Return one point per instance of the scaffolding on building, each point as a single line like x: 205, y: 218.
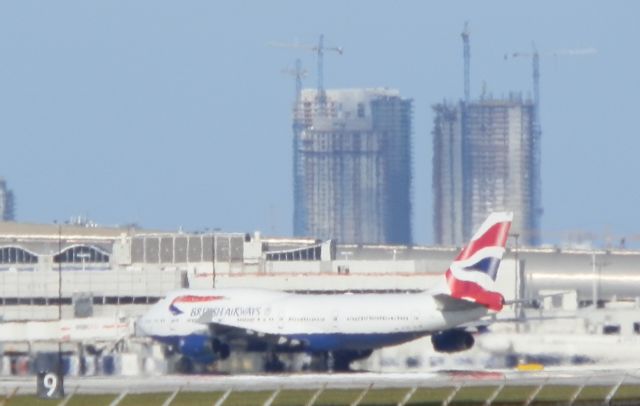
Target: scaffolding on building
x: 485, y: 160
x: 7, y: 202
x: 352, y: 166
x: 486, y: 157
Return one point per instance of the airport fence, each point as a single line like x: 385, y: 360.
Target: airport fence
x: 536, y: 389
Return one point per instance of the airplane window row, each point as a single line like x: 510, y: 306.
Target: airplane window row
x: 298, y: 319
x: 378, y: 318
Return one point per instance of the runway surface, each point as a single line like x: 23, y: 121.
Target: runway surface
x: 169, y: 383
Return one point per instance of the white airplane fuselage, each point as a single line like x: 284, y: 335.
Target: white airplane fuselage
x: 205, y: 324
x: 323, y: 322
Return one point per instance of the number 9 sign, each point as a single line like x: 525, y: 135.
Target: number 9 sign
x: 50, y: 385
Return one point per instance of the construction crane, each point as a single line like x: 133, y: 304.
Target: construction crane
x: 319, y: 49
x: 298, y: 73
x: 537, y: 132
x: 535, y: 62
x: 466, y: 54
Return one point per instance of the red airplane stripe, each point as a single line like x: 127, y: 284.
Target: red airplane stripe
x: 496, y: 235
x: 465, y: 289
x: 195, y: 299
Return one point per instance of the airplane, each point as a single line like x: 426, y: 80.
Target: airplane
x: 206, y: 325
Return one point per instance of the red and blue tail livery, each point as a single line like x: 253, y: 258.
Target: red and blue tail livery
x: 472, y: 274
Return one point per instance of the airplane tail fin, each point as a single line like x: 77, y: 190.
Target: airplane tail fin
x: 471, y: 276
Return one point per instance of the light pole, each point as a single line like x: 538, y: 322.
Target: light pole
x: 60, y: 306
x: 50, y: 384
x: 59, y: 369
x: 594, y: 287
x: 213, y: 260
x: 516, y: 292
x: 59, y: 272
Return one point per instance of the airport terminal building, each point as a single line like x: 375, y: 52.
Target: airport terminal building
x: 99, y: 280
x: 102, y: 272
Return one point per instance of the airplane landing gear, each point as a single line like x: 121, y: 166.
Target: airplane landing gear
x: 338, y: 361
x: 272, y: 363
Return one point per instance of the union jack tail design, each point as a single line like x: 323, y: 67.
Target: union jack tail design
x: 472, y: 274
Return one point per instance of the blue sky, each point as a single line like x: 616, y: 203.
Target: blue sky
x: 176, y: 114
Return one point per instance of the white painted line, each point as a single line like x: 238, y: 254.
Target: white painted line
x: 168, y: 401
x: 494, y: 395
x: 357, y: 401
x: 612, y: 393
x: 316, y: 395
x: 452, y: 395
x: 223, y: 397
x: 408, y: 396
x: 577, y: 392
x: 9, y: 396
x: 68, y: 397
x: 273, y: 396
x: 117, y: 400
x: 533, y: 394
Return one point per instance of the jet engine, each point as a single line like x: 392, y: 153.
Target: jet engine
x: 198, y: 348
x: 452, y: 341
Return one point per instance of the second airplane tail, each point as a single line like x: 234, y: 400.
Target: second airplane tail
x: 472, y: 274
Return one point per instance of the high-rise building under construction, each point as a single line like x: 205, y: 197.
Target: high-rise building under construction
x: 352, y: 165
x: 6, y: 202
x: 486, y: 157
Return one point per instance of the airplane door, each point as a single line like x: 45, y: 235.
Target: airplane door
x: 415, y: 318
x: 335, y: 319
x: 281, y: 318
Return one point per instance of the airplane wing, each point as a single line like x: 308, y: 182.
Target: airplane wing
x: 535, y: 299
x: 248, y: 339
x: 483, y: 323
x: 446, y: 302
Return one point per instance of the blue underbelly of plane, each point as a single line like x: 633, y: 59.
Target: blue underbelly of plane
x: 361, y: 341
x: 316, y: 342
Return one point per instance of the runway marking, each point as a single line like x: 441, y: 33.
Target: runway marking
x: 9, y: 396
x: 117, y: 400
x: 453, y: 393
x: 316, y: 395
x: 223, y: 397
x: 271, y: 398
x: 68, y: 397
x: 577, y: 392
x: 612, y: 393
x: 408, y: 396
x: 535, y: 392
x: 168, y: 401
x: 494, y: 395
x: 357, y: 401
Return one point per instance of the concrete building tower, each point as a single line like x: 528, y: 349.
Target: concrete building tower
x: 7, y: 208
x: 485, y: 159
x: 352, y: 166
